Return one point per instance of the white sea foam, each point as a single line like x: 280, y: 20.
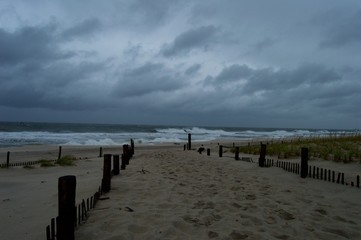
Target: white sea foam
x: 122, y: 134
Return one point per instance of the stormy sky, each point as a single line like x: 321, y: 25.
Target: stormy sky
x: 246, y: 63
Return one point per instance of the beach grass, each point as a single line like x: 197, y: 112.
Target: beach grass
x: 344, y: 149
x: 67, y: 160
x: 46, y: 163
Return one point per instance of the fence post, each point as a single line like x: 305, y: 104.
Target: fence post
x: 262, y: 155
x: 106, y: 181
x: 304, y: 162
x: 220, y: 153
x: 66, y: 201
x: 132, y: 146
x: 123, y: 162
x: 236, y: 157
x: 7, y: 159
x: 189, y: 141
x: 116, y: 164
x: 59, y: 153
x: 126, y: 153
x: 100, y: 152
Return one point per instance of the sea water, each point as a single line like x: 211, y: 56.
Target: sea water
x: 26, y: 133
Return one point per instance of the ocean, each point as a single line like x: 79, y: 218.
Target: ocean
x: 27, y: 133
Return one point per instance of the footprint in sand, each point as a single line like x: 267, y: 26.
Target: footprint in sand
x: 212, y: 234
x: 133, y: 228
x: 237, y: 235
x: 203, y: 205
x: 251, y: 197
x: 285, y: 215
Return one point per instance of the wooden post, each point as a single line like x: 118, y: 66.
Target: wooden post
x: 126, y: 153
x: 53, y: 233
x: 342, y: 178
x: 100, y: 152
x: 123, y: 165
x: 184, y: 147
x: 48, y: 233
x: 59, y: 153
x: 66, y: 201
x: 262, y: 155
x: 304, y: 162
x: 208, y: 152
x: 236, y: 157
x: 7, y: 159
x: 189, y: 141
x: 116, y: 164
x: 132, y: 146
x: 106, y: 181
x: 358, y: 181
x: 220, y: 152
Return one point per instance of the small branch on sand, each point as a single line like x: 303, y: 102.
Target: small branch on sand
x: 143, y: 171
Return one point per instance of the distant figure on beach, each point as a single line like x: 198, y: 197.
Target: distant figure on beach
x: 201, y: 149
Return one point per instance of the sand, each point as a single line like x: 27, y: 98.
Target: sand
x: 168, y: 193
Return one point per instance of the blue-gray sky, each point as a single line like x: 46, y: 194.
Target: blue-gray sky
x: 251, y: 63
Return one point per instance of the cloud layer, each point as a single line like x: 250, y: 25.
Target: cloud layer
x: 235, y: 63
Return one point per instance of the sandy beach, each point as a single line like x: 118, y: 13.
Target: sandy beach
x: 168, y: 193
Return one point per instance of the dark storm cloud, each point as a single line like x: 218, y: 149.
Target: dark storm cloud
x: 29, y: 44
x: 268, y: 78
x: 200, y: 38
x: 309, y: 88
x: 345, y: 31
x: 83, y: 29
x: 147, y: 79
x: 56, y: 86
x: 250, y: 60
x: 193, y: 69
x: 35, y: 72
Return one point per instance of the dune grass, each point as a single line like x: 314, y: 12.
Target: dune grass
x: 337, y: 148
x: 67, y: 160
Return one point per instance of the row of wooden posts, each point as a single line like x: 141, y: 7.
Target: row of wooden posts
x: 27, y: 163
x: 303, y: 169
x: 71, y: 216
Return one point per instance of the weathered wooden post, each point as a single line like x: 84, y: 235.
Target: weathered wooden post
x: 262, y: 155
x: 189, y: 141
x: 236, y: 155
x: 358, y: 181
x: 66, y: 201
x: 116, y: 164
x: 126, y: 153
x: 132, y: 146
x: 106, y: 181
x: 220, y: 152
x: 7, y: 159
x: 123, y: 166
x: 208, y: 152
x: 59, y: 153
x: 100, y: 152
x: 304, y: 162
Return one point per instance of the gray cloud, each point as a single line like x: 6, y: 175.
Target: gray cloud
x: 200, y: 38
x: 84, y: 29
x: 239, y: 63
x: 147, y: 79
x: 193, y: 69
x: 29, y: 44
x: 344, y: 32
